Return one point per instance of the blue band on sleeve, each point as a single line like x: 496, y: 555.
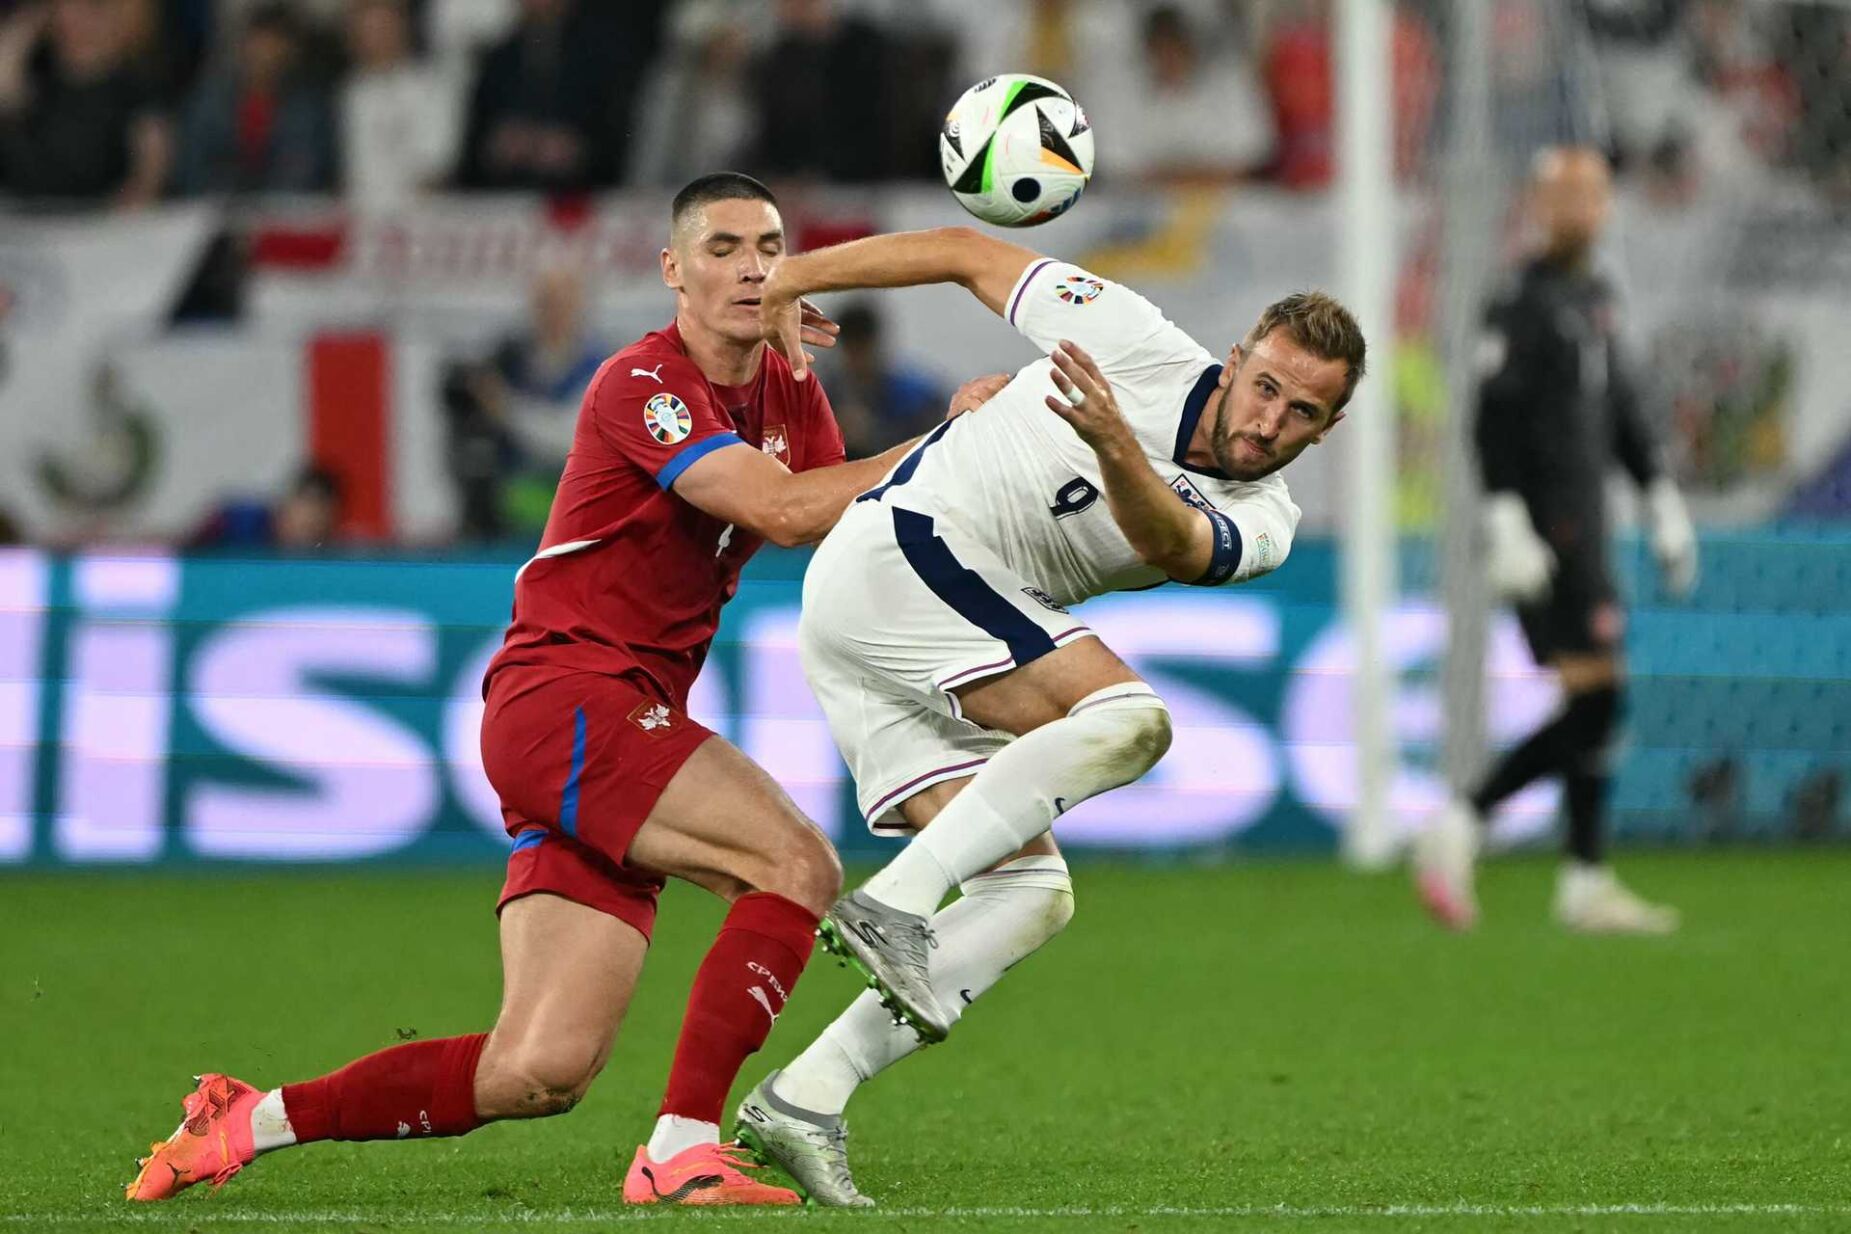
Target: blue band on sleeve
x: 692, y: 453
x: 1225, y: 558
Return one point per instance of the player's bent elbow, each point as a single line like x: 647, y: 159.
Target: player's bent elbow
x: 786, y: 529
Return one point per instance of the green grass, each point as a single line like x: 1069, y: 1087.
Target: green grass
x: 1202, y: 1044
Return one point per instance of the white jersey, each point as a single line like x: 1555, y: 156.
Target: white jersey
x: 1017, y: 478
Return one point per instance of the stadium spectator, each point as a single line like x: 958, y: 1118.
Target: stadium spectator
x: 1078, y: 42
x: 78, y: 120
x: 1300, y: 83
x: 1817, y: 53
x: 1192, y: 116
x: 456, y: 34
x: 551, y: 105
x: 1644, y: 78
x: 820, y: 91
x: 165, y: 43
x: 877, y: 402
x: 513, y: 413
x: 697, y: 104
x: 398, y: 119
x: 307, y: 516
x: 259, y: 124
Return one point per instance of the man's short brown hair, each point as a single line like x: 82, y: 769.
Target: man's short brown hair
x: 1323, y: 327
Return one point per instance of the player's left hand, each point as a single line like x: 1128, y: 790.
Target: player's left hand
x: 780, y: 321
x: 1089, y: 404
x: 975, y: 393
x: 814, y: 329
x: 1673, y: 539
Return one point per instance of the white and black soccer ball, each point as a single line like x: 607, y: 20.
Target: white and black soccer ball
x: 1016, y: 150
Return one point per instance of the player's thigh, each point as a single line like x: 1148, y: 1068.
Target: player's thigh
x: 919, y: 810
x: 1045, y: 689
x: 568, y: 971
x: 724, y: 824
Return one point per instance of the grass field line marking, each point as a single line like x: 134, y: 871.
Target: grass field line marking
x: 193, y: 1215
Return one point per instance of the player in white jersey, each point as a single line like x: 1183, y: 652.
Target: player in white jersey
x: 936, y: 635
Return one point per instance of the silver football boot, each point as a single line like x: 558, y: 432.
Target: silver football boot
x: 812, y: 1148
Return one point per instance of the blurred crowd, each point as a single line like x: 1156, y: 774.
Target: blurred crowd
x: 116, y: 104
x: 127, y: 101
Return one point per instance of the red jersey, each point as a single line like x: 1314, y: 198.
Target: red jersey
x: 629, y: 577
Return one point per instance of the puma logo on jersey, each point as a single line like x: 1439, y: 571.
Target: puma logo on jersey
x: 654, y: 374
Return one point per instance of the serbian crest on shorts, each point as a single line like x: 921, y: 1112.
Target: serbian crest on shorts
x: 777, y: 443
x: 1079, y: 288
x: 667, y: 419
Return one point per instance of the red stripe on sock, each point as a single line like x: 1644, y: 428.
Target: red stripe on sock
x: 742, y: 985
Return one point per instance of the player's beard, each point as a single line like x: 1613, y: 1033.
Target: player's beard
x: 1239, y: 468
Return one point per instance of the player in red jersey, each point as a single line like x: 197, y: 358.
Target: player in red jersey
x: 694, y: 445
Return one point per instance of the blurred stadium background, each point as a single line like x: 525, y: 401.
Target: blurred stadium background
x: 295, y: 315
x: 297, y: 301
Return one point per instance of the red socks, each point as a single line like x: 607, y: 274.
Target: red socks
x: 740, y: 989
x: 427, y: 1088
x: 423, y: 1088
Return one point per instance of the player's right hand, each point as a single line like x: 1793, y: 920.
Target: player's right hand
x: 1087, y: 402
x: 975, y: 393
x: 1520, y: 563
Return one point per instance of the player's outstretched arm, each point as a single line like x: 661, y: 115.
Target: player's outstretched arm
x: 1190, y: 545
x: 750, y: 489
x: 984, y: 265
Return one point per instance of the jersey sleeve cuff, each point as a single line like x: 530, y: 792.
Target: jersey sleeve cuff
x: 693, y: 453
x: 1020, y: 291
x: 1224, y: 558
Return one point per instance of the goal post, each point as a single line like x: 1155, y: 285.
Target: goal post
x: 1366, y: 266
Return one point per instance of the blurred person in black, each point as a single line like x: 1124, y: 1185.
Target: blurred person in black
x: 79, y: 120
x: 822, y: 96
x: 512, y: 413
x: 1557, y: 409
x: 259, y: 124
x: 877, y: 402
x: 552, y: 101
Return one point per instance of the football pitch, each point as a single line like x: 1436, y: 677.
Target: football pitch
x: 1263, y: 1046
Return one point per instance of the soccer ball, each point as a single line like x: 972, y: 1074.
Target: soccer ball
x: 1016, y: 150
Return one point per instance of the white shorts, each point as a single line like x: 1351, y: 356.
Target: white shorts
x: 897, y: 612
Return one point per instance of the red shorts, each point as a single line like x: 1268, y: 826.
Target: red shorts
x: 579, y: 760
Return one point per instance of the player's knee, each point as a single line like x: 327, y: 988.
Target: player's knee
x: 1131, y: 725
x: 815, y: 872
x: 801, y: 866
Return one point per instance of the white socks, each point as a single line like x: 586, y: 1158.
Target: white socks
x: 675, y: 1134
x: 270, y: 1126
x: 1003, y: 916
x: 1111, y: 737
